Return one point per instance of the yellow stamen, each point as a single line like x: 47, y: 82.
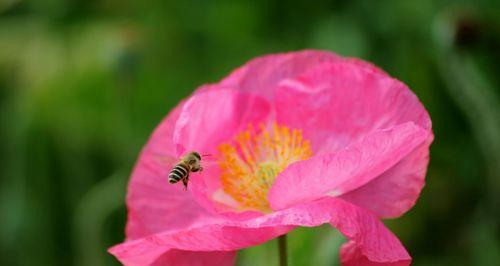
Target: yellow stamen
x: 250, y: 165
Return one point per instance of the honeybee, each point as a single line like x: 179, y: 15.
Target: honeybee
x: 190, y: 162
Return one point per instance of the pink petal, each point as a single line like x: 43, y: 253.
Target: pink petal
x: 352, y: 255
x: 372, y: 238
x: 395, y: 191
x: 262, y: 74
x: 210, y: 117
x: 153, y: 204
x: 337, y: 103
x: 196, y: 258
x: 206, y: 188
x: 347, y: 169
x: 214, y: 115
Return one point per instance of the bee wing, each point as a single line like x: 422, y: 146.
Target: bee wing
x: 166, y: 160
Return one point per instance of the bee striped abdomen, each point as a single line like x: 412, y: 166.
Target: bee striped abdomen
x: 180, y: 171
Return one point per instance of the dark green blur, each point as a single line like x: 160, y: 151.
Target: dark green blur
x: 83, y: 84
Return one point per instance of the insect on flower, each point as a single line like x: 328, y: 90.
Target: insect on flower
x: 181, y: 168
x: 299, y: 139
x: 190, y: 162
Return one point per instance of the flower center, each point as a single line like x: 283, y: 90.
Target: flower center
x: 251, y: 163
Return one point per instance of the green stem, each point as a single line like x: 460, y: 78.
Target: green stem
x: 282, y: 250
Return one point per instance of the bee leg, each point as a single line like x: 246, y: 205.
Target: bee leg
x: 201, y: 169
x: 185, y: 182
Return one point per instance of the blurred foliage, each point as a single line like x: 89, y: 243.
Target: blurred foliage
x: 83, y: 83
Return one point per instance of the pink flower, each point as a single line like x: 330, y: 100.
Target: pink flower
x: 298, y: 139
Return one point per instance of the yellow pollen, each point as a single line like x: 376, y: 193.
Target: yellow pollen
x: 250, y: 164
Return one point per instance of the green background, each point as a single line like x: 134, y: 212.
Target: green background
x: 83, y: 83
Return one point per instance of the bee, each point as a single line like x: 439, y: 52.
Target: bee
x: 190, y: 162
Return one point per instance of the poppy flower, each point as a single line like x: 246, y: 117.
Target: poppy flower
x: 297, y: 139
